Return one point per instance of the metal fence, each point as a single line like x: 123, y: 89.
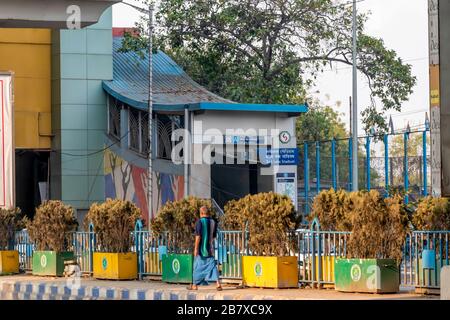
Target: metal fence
x: 398, y: 161
x: 424, y: 254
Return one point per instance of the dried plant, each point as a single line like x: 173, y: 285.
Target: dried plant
x: 51, y: 225
x: 113, y: 221
x: 268, y: 217
x: 11, y: 220
x: 177, y: 219
x: 432, y: 214
x: 379, y: 226
x: 331, y: 208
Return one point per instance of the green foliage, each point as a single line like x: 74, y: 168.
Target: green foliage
x: 11, y: 220
x: 268, y: 217
x: 271, y: 51
x: 177, y: 219
x: 378, y: 225
x: 51, y: 225
x: 113, y: 222
x: 432, y: 214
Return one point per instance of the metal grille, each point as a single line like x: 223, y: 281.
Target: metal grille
x: 165, y: 127
x: 134, y: 126
x: 114, y: 118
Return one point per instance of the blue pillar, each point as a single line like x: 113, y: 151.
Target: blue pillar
x: 333, y: 163
x: 424, y: 151
x: 350, y: 164
x: 386, y: 163
x: 306, y: 174
x: 318, y: 166
x: 405, y: 165
x: 368, y: 162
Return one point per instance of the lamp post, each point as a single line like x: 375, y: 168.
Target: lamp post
x: 355, y: 105
x: 150, y: 105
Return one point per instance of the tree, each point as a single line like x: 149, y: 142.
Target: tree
x: 270, y: 51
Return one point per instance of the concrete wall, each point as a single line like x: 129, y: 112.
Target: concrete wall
x: 27, y: 53
x: 81, y: 60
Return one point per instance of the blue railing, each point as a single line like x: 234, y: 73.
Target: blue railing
x: 383, y: 163
x: 424, y: 254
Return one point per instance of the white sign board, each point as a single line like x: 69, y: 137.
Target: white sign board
x: 7, y: 150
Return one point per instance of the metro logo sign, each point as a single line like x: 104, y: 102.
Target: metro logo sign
x: 7, y: 159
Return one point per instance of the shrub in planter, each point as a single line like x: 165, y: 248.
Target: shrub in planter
x: 331, y: 208
x: 176, y: 221
x: 113, y: 221
x: 379, y: 227
x: 432, y: 214
x: 11, y: 220
x: 49, y: 230
x: 268, y: 217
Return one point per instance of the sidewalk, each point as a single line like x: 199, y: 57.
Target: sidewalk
x: 27, y: 287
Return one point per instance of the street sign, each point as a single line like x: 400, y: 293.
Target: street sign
x: 282, y: 156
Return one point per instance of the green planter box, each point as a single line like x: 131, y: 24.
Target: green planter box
x: 367, y: 275
x: 50, y: 263
x: 177, y: 268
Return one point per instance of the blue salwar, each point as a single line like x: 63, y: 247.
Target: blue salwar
x: 205, y: 270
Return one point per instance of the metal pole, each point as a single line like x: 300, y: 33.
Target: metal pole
x: 350, y: 164
x: 386, y: 163
x: 424, y: 155
x: 150, y: 114
x: 318, y: 166
x: 333, y: 163
x: 306, y: 174
x: 355, y: 105
x: 187, y: 151
x: 368, y: 162
x: 405, y: 165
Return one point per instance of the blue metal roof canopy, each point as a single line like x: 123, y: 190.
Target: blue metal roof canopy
x: 173, y: 89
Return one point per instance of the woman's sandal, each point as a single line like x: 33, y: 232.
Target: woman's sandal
x: 191, y: 287
x: 219, y: 288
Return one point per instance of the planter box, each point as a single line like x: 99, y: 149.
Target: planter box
x: 177, y: 268
x: 9, y: 262
x: 115, y: 266
x: 367, y: 275
x: 50, y: 263
x: 270, y: 272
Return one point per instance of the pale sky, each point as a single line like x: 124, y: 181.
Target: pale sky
x: 402, y: 24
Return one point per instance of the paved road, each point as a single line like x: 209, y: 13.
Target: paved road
x: 167, y: 291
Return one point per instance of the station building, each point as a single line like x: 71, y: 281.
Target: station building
x: 81, y: 124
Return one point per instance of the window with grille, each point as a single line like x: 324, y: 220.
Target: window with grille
x: 134, y: 129
x: 114, y: 118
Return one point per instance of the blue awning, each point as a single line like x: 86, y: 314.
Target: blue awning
x: 173, y: 89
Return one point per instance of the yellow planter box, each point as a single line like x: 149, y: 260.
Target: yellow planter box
x: 115, y: 266
x: 153, y: 264
x: 9, y: 262
x: 270, y: 272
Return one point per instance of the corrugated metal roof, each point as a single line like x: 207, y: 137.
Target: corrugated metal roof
x: 172, y: 87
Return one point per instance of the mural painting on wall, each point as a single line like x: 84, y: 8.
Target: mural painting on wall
x: 125, y: 181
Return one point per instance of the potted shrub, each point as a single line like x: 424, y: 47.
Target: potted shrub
x: 330, y: 207
x: 50, y: 230
x: 432, y: 214
x: 267, y: 219
x: 176, y: 221
x: 113, y: 221
x: 10, y: 221
x: 379, y: 227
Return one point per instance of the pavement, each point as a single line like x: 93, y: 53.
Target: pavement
x: 28, y: 287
